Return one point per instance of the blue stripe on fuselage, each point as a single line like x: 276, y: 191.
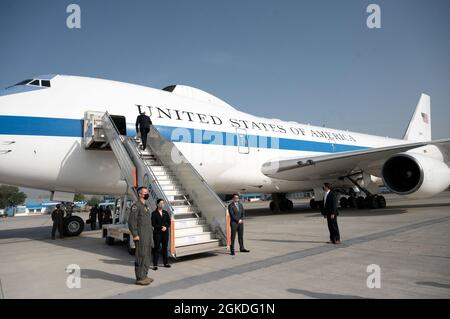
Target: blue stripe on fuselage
x: 40, y: 126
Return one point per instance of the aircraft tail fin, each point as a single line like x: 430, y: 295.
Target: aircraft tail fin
x: 419, y: 128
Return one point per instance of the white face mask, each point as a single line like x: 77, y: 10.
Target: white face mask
x: 236, y: 200
x: 160, y: 205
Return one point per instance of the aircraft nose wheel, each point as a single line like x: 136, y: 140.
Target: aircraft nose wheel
x: 284, y: 205
x: 313, y: 203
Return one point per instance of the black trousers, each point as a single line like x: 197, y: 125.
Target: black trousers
x: 239, y: 229
x: 144, y: 133
x: 160, y: 238
x: 333, y: 228
x: 93, y: 224
x: 58, y: 224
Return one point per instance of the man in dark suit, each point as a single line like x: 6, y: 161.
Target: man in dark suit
x: 330, y: 212
x: 161, y: 225
x: 143, y: 123
x: 237, y: 215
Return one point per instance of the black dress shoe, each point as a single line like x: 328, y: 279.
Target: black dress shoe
x: 155, y: 268
x: 232, y: 253
x: 245, y: 251
x: 167, y: 266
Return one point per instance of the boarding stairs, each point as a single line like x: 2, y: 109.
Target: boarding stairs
x: 198, y: 214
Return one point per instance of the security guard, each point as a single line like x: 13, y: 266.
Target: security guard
x: 58, y: 221
x: 237, y: 215
x: 93, y: 216
x: 140, y: 225
x: 100, y: 213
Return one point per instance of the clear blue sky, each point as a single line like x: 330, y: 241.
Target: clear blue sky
x: 310, y: 61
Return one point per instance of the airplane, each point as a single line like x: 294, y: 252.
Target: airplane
x: 41, y: 134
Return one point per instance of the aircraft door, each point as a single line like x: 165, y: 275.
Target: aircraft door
x: 121, y: 123
x: 242, y: 141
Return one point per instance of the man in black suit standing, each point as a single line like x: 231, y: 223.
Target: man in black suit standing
x: 330, y: 212
x: 237, y: 214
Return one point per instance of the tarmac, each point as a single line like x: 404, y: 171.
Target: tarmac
x: 408, y: 242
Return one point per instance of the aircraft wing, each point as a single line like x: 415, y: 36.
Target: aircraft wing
x: 331, y: 166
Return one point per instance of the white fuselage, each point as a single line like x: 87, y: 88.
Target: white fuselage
x: 41, y: 142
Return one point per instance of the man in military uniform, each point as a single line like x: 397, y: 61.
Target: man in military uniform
x: 58, y: 221
x: 140, y: 225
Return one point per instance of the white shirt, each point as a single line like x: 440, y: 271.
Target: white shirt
x: 325, y: 197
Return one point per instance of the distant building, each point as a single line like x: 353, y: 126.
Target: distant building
x: 39, y: 207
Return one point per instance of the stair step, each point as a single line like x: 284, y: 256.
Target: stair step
x: 180, y: 216
x: 166, y: 182
x: 188, y: 222
x: 184, y: 209
x: 160, y: 174
x: 175, y: 193
x: 177, y: 202
x: 159, y: 168
x: 191, y: 231
x: 151, y: 163
x: 166, y: 178
x: 185, y: 250
x: 193, y: 239
x: 147, y: 155
x: 171, y: 187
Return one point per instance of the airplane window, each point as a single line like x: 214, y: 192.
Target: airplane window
x: 34, y: 82
x: 45, y: 83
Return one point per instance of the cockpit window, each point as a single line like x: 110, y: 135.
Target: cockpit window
x: 45, y: 83
x: 23, y: 82
x: 38, y: 83
x: 35, y: 82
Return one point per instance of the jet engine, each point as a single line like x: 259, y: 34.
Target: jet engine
x: 415, y: 175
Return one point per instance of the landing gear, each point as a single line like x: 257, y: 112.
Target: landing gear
x: 316, y: 204
x: 371, y: 201
x: 381, y: 201
x: 360, y: 202
x: 351, y: 201
x: 313, y: 204
x: 343, y: 201
x: 73, y: 225
x: 280, y: 203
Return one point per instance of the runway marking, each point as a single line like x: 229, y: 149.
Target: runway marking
x: 269, y: 262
